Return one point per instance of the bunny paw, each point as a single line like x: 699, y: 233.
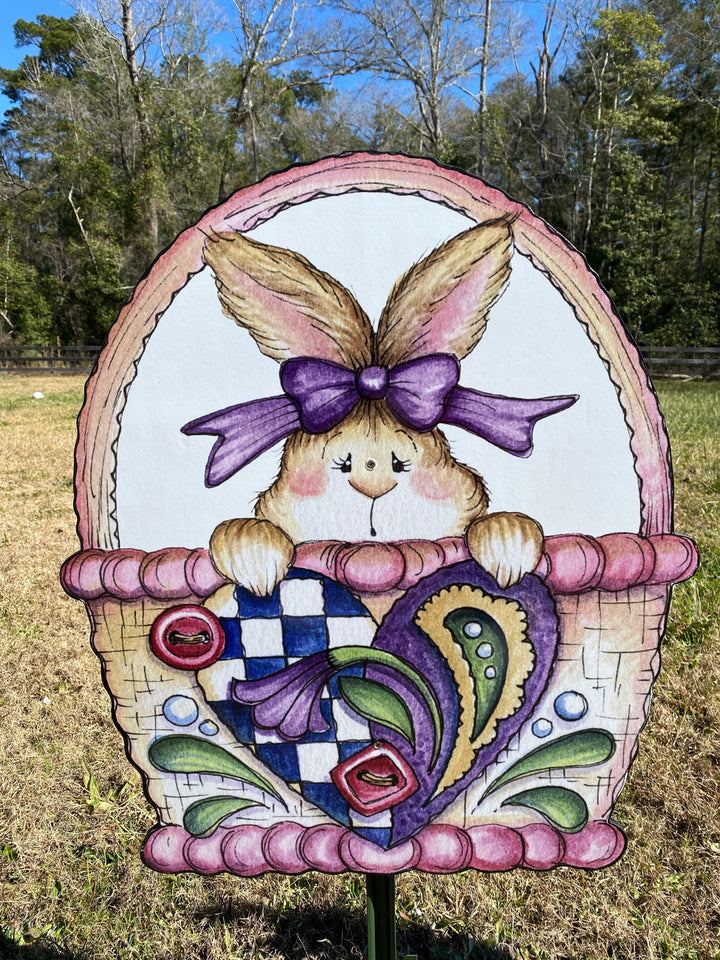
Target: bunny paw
x: 254, y: 553
x: 507, y: 545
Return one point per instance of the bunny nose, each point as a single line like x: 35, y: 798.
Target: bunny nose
x: 373, y: 486
x: 370, y: 465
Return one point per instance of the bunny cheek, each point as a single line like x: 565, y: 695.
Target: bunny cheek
x: 305, y: 483
x: 428, y: 485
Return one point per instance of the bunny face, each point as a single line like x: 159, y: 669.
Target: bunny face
x: 363, y: 459
x: 372, y: 478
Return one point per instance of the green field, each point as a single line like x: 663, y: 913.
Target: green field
x: 72, y: 814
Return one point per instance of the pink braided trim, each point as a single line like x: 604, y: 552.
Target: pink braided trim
x: 571, y: 563
x: 250, y: 850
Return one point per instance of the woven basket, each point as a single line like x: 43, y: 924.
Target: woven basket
x: 611, y: 593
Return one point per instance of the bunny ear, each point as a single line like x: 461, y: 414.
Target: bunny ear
x: 441, y: 304
x: 290, y: 308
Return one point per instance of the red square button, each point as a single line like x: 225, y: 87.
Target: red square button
x: 374, y: 779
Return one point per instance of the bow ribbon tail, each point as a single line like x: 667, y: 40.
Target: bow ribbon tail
x: 506, y: 422
x: 244, y: 431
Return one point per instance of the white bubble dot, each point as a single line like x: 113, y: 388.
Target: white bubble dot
x: 208, y: 728
x: 484, y: 651
x: 490, y: 673
x: 472, y: 629
x: 180, y: 710
x: 571, y: 705
x: 542, y: 727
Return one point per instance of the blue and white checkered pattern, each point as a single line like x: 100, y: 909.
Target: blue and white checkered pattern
x: 307, y: 613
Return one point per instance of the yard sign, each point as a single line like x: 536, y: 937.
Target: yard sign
x: 375, y: 505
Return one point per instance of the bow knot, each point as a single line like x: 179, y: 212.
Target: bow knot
x: 319, y: 394
x: 326, y: 392
x: 372, y: 382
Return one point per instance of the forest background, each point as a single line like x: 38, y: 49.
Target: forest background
x: 128, y: 118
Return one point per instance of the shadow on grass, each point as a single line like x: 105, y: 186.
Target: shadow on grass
x: 38, y: 950
x: 328, y: 934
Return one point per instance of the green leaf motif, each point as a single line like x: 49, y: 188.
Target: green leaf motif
x: 180, y: 753
x: 378, y: 704
x: 581, y: 749
x: 202, y: 817
x: 342, y: 657
x: 564, y: 808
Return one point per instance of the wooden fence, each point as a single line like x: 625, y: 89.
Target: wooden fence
x: 696, y: 362
x: 36, y: 358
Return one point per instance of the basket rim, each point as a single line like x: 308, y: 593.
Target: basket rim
x: 570, y: 563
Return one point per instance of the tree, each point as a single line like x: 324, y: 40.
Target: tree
x: 119, y: 136
x: 124, y: 127
x: 425, y: 47
x: 61, y: 256
x: 89, y: 201
x: 547, y: 53
x: 693, y: 37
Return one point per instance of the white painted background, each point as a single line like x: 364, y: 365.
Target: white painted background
x: 579, y: 479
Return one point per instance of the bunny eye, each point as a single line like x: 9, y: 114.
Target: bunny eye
x: 344, y: 465
x: 400, y: 466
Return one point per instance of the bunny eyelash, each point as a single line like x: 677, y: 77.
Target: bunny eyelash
x: 345, y: 464
x: 400, y: 466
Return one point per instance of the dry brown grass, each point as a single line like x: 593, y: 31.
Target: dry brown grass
x: 72, y: 816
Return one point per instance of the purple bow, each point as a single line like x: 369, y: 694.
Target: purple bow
x: 319, y: 394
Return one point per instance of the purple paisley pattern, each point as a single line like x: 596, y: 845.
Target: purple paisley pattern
x: 398, y: 633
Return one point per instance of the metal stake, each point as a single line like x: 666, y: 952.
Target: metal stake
x: 381, y: 916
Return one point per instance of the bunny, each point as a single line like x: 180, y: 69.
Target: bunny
x: 364, y: 459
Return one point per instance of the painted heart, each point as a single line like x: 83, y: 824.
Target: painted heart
x: 382, y: 729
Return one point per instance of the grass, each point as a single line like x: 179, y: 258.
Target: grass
x: 72, y: 814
